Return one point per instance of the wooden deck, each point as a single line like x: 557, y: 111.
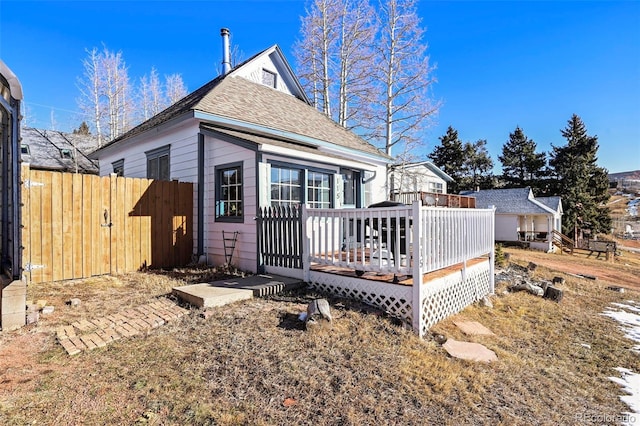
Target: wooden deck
x: 389, y: 278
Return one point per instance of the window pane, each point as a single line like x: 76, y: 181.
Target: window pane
x: 163, y: 172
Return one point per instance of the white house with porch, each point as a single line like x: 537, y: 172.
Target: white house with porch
x: 521, y: 217
x: 289, y: 186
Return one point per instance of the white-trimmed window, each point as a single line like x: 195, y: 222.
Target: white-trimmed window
x: 229, y: 193
x: 158, y: 164
x: 318, y: 190
x: 292, y: 186
x: 436, y: 187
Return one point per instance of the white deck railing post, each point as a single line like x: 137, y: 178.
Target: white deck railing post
x: 492, y: 254
x: 306, y: 246
x: 418, y: 257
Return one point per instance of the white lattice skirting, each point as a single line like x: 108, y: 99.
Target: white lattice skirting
x: 442, y: 297
x: 392, y: 298
x: 450, y: 294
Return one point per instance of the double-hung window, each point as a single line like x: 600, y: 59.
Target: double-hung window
x: 229, y: 193
x: 158, y: 165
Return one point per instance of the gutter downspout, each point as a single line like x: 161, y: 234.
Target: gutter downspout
x: 200, y: 236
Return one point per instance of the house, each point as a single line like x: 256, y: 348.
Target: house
x: 521, y: 217
x: 249, y: 139
x: 58, y: 151
x: 12, y: 288
x: 423, y: 176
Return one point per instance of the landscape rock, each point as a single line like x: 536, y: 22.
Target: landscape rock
x: 33, y: 317
x: 529, y: 287
x: 48, y: 310
x: 558, y: 280
x: 616, y: 289
x: 486, y: 302
x: 33, y: 308
x: 532, y: 266
x: 42, y: 303
x: 73, y: 302
x: 553, y: 293
x: 469, y: 351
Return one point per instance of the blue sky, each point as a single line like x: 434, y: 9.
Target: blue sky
x: 500, y: 64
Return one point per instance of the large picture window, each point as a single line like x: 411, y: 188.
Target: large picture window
x: 158, y: 165
x: 289, y: 186
x: 229, y: 193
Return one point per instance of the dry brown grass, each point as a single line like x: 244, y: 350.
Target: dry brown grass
x: 239, y: 366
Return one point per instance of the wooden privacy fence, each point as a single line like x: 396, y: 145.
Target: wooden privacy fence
x: 77, y: 226
x: 280, y: 236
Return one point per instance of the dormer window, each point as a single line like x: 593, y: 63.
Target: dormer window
x: 269, y: 78
x: 24, y: 149
x: 66, y: 153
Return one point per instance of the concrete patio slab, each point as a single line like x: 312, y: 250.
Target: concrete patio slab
x: 469, y: 351
x: 219, y: 293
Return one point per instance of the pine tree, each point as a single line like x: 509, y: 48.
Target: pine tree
x: 581, y: 183
x: 449, y: 157
x: 521, y: 165
x: 477, y: 166
x: 83, y: 129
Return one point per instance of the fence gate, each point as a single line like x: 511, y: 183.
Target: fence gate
x: 77, y: 226
x: 280, y: 232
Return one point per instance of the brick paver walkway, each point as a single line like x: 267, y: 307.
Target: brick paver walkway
x: 82, y: 335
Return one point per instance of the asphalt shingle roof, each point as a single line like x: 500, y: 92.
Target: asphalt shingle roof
x: 46, y: 146
x: 507, y: 201
x: 240, y: 99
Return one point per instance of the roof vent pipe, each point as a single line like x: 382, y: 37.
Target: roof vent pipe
x: 226, y: 62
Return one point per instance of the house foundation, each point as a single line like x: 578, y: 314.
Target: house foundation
x: 13, y: 301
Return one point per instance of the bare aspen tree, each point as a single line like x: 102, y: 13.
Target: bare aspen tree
x: 355, y: 83
x: 174, y: 88
x: 406, y: 76
x: 316, y: 51
x: 91, y: 89
x: 144, y: 98
x: 116, y: 92
x: 155, y: 92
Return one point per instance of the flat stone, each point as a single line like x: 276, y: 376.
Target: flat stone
x: 473, y: 328
x: 469, y: 351
x: 48, y: 310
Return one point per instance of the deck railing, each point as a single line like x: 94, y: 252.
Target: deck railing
x: 385, y: 239
x: 434, y: 199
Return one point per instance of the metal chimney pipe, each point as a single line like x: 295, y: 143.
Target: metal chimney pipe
x: 226, y: 61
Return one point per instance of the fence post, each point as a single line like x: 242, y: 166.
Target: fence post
x: 305, y: 247
x: 492, y: 254
x: 416, y: 229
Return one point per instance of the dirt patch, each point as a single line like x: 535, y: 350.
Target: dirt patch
x: 624, y: 272
x: 19, y: 360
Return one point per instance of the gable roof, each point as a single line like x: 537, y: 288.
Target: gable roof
x: 554, y: 203
x: 46, y: 148
x: 509, y: 201
x: 236, y: 102
x: 430, y: 166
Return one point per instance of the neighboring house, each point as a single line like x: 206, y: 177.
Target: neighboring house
x: 58, y: 151
x: 423, y: 176
x: 522, y: 217
x: 249, y: 139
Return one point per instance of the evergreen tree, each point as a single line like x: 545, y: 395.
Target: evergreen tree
x: 449, y: 157
x: 83, y: 129
x: 581, y: 183
x: 477, y: 166
x: 521, y: 165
